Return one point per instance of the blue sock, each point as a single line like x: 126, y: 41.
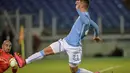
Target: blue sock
x: 82, y: 70
x: 42, y: 52
x: 35, y: 56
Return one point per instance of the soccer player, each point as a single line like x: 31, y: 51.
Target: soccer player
x: 71, y: 44
x: 5, y: 57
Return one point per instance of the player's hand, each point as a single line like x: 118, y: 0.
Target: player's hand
x: 97, y: 39
x: 77, y: 4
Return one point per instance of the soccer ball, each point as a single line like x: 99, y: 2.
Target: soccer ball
x: 12, y: 62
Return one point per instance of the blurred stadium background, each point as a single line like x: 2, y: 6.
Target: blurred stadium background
x: 46, y: 21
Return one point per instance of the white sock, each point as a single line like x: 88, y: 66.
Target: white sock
x: 34, y: 57
x: 82, y: 70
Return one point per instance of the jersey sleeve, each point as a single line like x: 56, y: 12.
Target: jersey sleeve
x: 3, y: 66
x: 83, y: 17
x: 96, y: 28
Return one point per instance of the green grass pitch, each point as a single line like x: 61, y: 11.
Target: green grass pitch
x: 109, y: 65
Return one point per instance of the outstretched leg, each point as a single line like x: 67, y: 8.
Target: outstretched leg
x: 39, y: 55
x: 36, y: 56
x: 54, y: 48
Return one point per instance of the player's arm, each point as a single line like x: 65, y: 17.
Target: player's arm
x: 96, y: 28
x: 81, y: 14
x: 96, y: 31
x: 83, y: 17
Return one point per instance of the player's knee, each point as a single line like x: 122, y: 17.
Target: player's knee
x: 48, y: 51
x: 73, y: 64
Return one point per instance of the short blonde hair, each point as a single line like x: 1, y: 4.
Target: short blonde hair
x: 85, y: 1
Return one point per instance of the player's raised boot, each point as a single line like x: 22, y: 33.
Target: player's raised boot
x: 21, y: 62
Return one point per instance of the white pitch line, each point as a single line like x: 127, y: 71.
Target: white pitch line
x: 109, y: 68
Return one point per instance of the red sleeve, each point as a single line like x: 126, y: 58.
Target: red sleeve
x: 3, y: 66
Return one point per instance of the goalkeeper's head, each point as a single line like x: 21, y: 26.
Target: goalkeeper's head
x: 6, y: 46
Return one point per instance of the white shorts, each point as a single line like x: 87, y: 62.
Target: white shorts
x: 74, y: 53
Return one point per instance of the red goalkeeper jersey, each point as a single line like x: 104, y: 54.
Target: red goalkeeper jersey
x: 4, y: 60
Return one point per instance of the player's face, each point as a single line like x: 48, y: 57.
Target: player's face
x: 80, y: 4
x: 7, y: 46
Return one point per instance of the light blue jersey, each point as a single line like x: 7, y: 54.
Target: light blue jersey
x: 81, y: 25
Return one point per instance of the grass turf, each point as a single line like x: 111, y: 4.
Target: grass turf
x: 61, y: 66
